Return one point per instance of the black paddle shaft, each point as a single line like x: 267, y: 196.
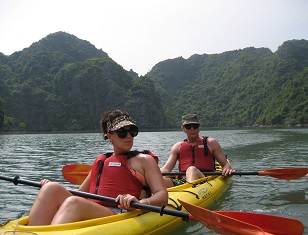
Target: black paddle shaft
x: 161, y: 210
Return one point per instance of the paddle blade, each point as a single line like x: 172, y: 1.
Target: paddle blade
x: 269, y: 223
x: 76, y: 173
x: 219, y: 223
x: 285, y: 173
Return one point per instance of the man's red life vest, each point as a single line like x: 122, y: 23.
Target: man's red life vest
x: 110, y: 177
x: 196, y: 155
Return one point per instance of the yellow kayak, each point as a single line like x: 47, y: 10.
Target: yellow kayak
x: 202, y: 192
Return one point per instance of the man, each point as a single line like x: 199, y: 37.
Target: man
x: 195, y: 154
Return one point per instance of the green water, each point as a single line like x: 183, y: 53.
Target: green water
x: 37, y: 156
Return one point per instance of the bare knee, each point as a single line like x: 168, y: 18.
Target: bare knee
x: 192, y: 173
x: 72, y: 203
x: 192, y: 170
x: 70, y: 211
x: 51, y: 187
x: 55, y: 192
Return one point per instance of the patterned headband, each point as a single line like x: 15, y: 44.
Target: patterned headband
x: 119, y: 122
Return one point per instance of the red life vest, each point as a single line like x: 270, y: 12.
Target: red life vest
x: 196, y: 155
x: 110, y: 177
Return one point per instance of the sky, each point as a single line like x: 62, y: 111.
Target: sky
x: 138, y: 34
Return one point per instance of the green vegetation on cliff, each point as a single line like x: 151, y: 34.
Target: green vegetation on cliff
x: 62, y: 83
x: 239, y: 88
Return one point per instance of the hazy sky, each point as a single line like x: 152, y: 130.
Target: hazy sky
x: 138, y: 34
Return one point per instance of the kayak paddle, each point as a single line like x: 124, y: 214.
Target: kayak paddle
x: 269, y: 223
x: 76, y: 173
x: 215, y: 221
x: 251, y: 223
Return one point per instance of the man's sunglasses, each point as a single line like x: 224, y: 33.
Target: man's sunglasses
x: 189, y: 126
x: 122, y: 132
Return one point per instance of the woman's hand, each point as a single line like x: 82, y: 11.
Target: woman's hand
x: 44, y: 181
x: 125, y: 200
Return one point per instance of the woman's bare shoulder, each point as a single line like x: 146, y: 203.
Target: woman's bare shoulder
x: 145, y: 157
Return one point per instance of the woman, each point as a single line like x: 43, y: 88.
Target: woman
x: 56, y: 205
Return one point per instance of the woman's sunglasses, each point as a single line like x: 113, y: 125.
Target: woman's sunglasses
x: 122, y: 132
x: 189, y: 126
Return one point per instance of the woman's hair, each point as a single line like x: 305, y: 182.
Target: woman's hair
x: 108, y: 117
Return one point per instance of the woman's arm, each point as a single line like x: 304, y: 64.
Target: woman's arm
x: 154, y: 179
x: 85, y: 186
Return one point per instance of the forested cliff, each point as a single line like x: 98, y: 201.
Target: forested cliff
x: 62, y: 83
x: 237, y: 88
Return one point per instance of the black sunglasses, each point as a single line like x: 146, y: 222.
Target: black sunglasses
x: 189, y: 126
x: 122, y: 132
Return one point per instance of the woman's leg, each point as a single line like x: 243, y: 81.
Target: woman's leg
x: 47, y: 203
x: 77, y: 209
